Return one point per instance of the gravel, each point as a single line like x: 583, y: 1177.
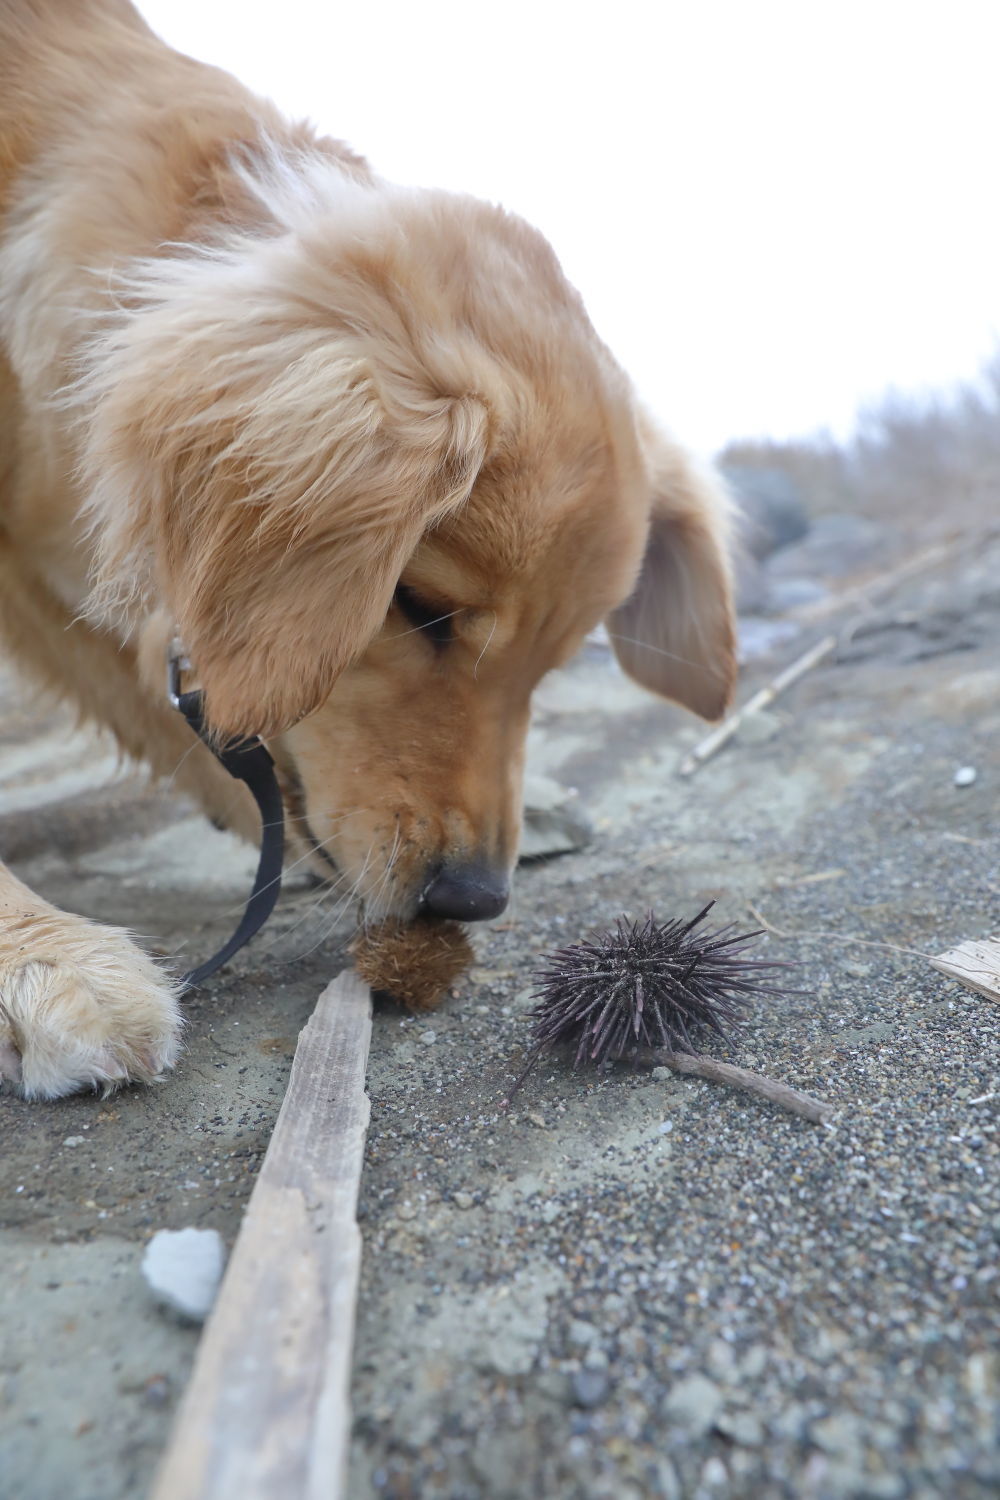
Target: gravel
x: 560, y: 1298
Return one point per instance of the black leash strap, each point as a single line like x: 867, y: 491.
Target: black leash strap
x: 248, y: 761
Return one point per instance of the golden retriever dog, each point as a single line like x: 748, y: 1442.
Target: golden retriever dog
x: 357, y: 444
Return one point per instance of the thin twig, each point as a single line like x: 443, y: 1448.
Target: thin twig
x: 981, y: 972
x: 833, y: 937
x: 710, y: 1068
x: 863, y: 596
x: 759, y: 916
x: 724, y: 733
x: 866, y: 594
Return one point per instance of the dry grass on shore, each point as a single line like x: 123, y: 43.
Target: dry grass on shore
x: 932, y: 461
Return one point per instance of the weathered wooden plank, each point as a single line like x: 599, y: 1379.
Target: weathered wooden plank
x: 975, y: 963
x: 266, y: 1414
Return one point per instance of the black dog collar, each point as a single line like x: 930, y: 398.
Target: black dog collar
x: 249, y: 761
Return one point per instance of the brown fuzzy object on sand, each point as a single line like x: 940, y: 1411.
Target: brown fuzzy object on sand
x: 414, y: 962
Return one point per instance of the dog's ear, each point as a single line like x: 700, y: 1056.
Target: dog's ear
x: 276, y: 600
x: 676, y: 633
x: 268, y: 496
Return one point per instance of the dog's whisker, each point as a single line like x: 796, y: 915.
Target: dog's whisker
x: 333, y: 822
x: 374, y: 896
x: 699, y: 666
x: 310, y: 911
x: 493, y: 631
x: 318, y: 844
x: 169, y: 780
x: 415, y: 629
x: 342, y: 904
x: 326, y: 895
x: 373, y: 903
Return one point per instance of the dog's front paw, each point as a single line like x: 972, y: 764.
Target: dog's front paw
x: 81, y: 1007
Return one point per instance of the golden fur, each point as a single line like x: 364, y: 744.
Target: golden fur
x: 252, y: 391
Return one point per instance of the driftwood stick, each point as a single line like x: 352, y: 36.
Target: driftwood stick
x: 266, y: 1412
x: 698, y: 1066
x: 713, y: 742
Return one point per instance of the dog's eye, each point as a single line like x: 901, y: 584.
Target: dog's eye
x: 433, y: 620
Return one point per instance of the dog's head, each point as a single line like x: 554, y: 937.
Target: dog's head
x: 384, y: 476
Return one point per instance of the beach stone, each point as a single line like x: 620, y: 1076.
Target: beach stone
x: 553, y: 822
x: 772, y: 514
x: 694, y: 1404
x: 183, y: 1268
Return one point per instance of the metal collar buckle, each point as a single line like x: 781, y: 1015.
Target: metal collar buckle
x: 177, y: 662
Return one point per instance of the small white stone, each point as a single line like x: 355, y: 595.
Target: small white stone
x: 73, y: 1140
x: 965, y: 776
x: 715, y: 1474
x: 183, y: 1267
x: 462, y: 1200
x: 427, y: 1037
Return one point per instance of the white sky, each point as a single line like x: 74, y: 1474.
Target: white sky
x: 775, y: 209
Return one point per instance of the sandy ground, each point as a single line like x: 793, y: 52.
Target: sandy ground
x: 625, y: 1286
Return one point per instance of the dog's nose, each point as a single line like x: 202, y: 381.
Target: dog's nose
x: 466, y: 893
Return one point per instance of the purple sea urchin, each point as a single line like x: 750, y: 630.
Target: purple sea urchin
x: 650, y: 985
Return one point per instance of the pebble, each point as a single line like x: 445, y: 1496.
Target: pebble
x: 754, y: 1362
x: 428, y: 1037
x: 668, y: 1484
x: 841, y: 1434
x: 462, y: 1200
x: 74, y: 1140
x: 694, y: 1404
x: 183, y: 1268
x: 581, y: 1333
x: 715, y: 1474
x: 790, y: 1422
x: 662, y: 1074
x: 743, y: 1428
x: 965, y: 776
x: 156, y: 1391
x: 590, y: 1387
